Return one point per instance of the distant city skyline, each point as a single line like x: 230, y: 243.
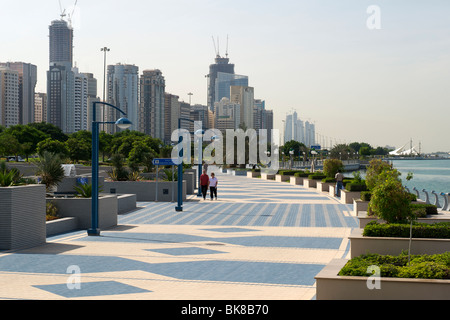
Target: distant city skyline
x: 379, y: 77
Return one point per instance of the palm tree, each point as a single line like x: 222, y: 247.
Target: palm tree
x: 50, y: 169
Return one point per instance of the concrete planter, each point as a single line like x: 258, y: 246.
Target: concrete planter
x: 330, y: 286
x: 360, y: 206
x: 22, y: 217
x: 323, y: 186
x: 281, y: 178
x: 296, y: 181
x: 347, y: 197
x: 267, y: 176
x: 251, y: 174
x: 80, y: 208
x: 394, y: 246
x: 61, y: 225
x: 146, y: 190
x: 309, y: 183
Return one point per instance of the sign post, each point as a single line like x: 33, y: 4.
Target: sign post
x: 164, y: 162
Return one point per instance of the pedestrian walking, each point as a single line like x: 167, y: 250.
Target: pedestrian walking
x: 339, y: 183
x: 213, y: 186
x: 204, y: 183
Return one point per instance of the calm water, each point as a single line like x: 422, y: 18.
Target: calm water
x: 428, y: 174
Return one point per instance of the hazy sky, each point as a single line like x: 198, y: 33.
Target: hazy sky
x: 383, y: 86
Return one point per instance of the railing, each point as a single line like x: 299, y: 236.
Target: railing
x: 317, y: 164
x: 445, y: 206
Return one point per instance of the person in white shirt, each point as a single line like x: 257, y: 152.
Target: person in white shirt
x: 213, y: 186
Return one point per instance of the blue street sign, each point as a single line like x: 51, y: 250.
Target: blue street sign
x: 164, y: 162
x: 316, y: 147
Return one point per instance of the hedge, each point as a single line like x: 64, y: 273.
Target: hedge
x: 301, y: 174
x: 429, y: 209
x: 355, y: 186
x: 440, y: 230
x: 365, y: 195
x: 317, y: 176
x: 288, y: 172
x: 435, y: 266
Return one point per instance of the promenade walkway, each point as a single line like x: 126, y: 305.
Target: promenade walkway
x: 260, y: 240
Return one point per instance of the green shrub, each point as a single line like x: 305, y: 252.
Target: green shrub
x: 365, y: 195
x: 288, y: 172
x: 389, y: 201
x: 51, y: 211
x: 317, y: 176
x: 332, y: 166
x: 439, y: 230
x: 329, y: 180
x: 378, y: 171
x: 301, y: 174
x: 412, y: 197
x: 429, y: 209
x: 435, y: 266
x: 355, y: 186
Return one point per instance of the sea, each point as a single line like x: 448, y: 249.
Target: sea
x: 427, y: 174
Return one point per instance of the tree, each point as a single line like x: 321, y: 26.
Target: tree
x: 139, y: 154
x: 9, y: 145
x: 332, y: 166
x: 52, y: 146
x: 296, y: 146
x: 51, y: 130
x: 27, y: 136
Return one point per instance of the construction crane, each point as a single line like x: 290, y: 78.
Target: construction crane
x: 63, y: 12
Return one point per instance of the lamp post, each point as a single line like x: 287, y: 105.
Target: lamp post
x: 105, y: 50
x: 122, y: 123
x: 179, y: 206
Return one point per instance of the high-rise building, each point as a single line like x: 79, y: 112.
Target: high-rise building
x: 40, y: 107
x: 296, y: 129
x: 151, y: 105
x: 123, y: 92
x: 228, y: 115
x: 61, y: 43
x: 221, y: 65
x: 9, y: 97
x: 27, y: 85
x: 80, y: 111
x: 223, y: 83
x: 60, y: 77
x: 245, y: 97
x: 91, y: 98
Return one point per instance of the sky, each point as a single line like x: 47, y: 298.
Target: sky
x: 361, y: 75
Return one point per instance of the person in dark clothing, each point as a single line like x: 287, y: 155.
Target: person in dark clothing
x: 204, y: 183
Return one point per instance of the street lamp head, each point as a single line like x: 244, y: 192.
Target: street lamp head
x: 123, y: 123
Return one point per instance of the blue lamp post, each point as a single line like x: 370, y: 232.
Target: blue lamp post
x: 122, y: 123
x: 179, y: 206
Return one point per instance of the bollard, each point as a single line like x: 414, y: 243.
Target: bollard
x: 446, y: 202
x: 427, y: 199
x: 436, y: 200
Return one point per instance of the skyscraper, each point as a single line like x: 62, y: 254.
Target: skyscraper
x: 60, y: 77
x: 151, y: 105
x: 40, y: 107
x: 27, y: 84
x: 245, y: 97
x: 61, y: 43
x: 221, y: 65
x: 123, y: 92
x: 9, y: 97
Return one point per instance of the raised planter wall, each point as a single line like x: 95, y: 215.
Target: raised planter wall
x: 360, y: 206
x: 81, y: 209
x: 267, y: 176
x: 146, y: 190
x: 296, y: 181
x: 330, y: 286
x: 394, y: 246
x: 323, y: 186
x: 281, y: 178
x: 251, y: 174
x: 347, y: 197
x: 22, y: 217
x: 61, y: 225
x: 309, y: 183
x: 364, y: 219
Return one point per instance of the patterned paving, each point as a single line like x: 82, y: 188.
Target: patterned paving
x: 260, y: 240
